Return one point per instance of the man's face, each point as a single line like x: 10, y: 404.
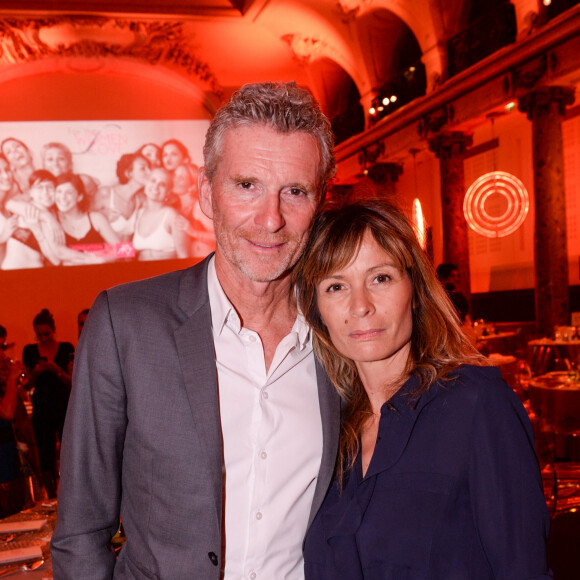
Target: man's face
x: 262, y: 200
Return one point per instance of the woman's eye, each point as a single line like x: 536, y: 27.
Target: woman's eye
x: 382, y: 278
x: 334, y: 288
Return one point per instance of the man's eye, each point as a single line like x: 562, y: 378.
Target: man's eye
x: 246, y: 184
x: 296, y: 191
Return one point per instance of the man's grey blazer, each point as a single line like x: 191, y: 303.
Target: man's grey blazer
x: 142, y: 437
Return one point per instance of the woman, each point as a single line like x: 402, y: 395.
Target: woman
x: 37, y: 238
x: 48, y: 363
x: 57, y: 158
x: 119, y: 203
x: 21, y: 163
x: 8, y: 189
x: 152, y: 152
x: 84, y: 231
x: 437, y: 476
x: 158, y: 233
x: 173, y: 154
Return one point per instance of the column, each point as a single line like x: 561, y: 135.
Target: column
x: 384, y: 177
x: 449, y: 149
x: 545, y: 107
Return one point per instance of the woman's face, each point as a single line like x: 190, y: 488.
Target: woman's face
x: 56, y: 161
x: 367, y: 308
x: 66, y: 197
x: 42, y: 194
x: 157, y: 187
x: 44, y: 333
x: 140, y: 171
x: 6, y: 178
x: 171, y: 157
x: 153, y: 154
x: 183, y: 181
x: 16, y: 153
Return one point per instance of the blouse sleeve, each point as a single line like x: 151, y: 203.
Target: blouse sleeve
x: 506, y: 486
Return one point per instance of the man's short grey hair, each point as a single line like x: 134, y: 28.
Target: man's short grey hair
x: 281, y: 106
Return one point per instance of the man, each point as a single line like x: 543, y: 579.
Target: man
x: 198, y: 412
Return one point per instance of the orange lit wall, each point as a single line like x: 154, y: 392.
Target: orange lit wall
x: 130, y: 91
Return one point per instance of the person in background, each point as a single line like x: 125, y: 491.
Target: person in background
x: 158, y: 235
x: 119, y: 203
x: 437, y: 475
x: 81, y: 319
x: 21, y: 162
x: 47, y: 362
x: 10, y: 500
x: 209, y: 482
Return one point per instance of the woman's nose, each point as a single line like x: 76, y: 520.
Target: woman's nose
x: 361, y: 305
x: 269, y: 214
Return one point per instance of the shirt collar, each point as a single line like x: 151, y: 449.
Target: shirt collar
x: 222, y: 311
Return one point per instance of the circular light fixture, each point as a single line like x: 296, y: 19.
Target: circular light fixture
x: 499, y: 191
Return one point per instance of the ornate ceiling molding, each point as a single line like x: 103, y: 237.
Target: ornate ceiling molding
x: 306, y: 48
x: 155, y: 42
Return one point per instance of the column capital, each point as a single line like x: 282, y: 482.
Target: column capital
x: 382, y: 173
x: 447, y: 144
x: 541, y: 99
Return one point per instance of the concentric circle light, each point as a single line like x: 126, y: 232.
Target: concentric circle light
x: 496, y: 204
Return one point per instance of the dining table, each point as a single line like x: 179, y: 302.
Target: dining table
x: 24, y: 542
x: 549, y: 354
x: 555, y: 397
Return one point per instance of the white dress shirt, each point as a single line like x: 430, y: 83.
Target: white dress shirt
x: 272, y: 433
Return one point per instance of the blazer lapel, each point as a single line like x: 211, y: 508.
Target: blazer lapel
x: 329, y: 402
x: 195, y: 348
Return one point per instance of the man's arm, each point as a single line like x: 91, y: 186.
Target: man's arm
x: 91, y: 455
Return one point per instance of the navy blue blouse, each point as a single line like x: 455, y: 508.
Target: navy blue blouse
x: 453, y: 492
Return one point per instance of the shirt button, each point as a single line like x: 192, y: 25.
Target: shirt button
x: 252, y: 575
x: 259, y: 515
x: 263, y: 455
x: 265, y: 394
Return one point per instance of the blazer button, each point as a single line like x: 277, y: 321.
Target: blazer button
x: 213, y: 557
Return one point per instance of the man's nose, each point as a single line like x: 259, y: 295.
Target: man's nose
x: 269, y: 214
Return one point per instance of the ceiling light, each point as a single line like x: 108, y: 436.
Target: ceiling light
x: 386, y: 101
x: 372, y: 111
x: 393, y: 98
x: 510, y: 106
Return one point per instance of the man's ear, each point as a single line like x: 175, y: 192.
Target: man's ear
x: 205, y: 193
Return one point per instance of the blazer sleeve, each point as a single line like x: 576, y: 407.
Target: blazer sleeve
x: 91, y: 455
x: 506, y: 486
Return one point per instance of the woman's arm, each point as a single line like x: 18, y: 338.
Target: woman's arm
x: 180, y: 237
x: 102, y: 225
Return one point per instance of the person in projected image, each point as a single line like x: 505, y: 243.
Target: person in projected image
x: 158, y: 233
x: 173, y: 154
x: 120, y: 202
x: 8, y: 190
x: 84, y: 231
x: 39, y: 239
x: 152, y: 152
x: 21, y: 161
x: 184, y: 197
x: 437, y: 475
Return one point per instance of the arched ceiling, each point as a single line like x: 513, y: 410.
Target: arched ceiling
x: 219, y: 45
